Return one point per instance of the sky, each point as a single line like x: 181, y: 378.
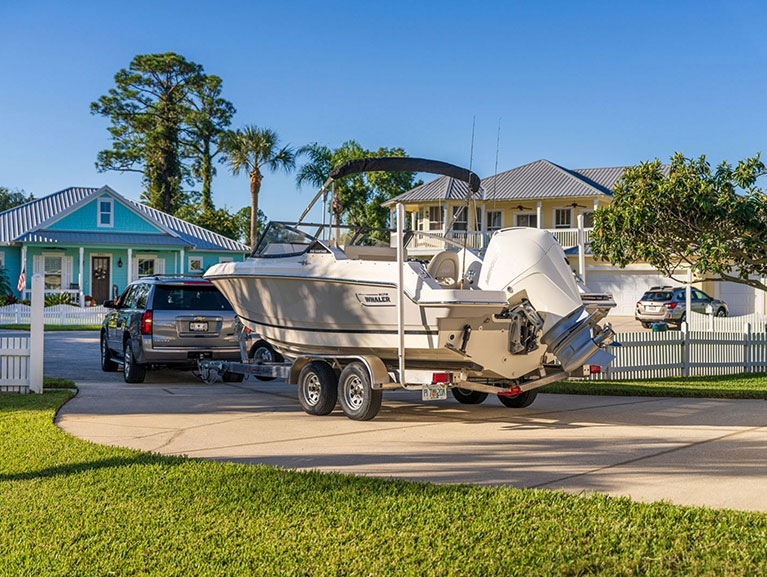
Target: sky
x: 582, y: 84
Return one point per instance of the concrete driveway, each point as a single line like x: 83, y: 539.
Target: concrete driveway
x: 688, y: 451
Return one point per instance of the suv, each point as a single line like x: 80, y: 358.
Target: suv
x: 668, y: 304
x: 170, y: 322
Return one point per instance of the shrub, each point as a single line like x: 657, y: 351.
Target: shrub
x: 57, y: 299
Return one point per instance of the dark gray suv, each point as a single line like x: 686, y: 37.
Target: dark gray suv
x: 167, y: 321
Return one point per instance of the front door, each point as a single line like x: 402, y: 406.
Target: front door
x: 100, y: 278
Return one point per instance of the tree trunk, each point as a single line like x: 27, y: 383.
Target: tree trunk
x: 255, y: 187
x: 206, y: 170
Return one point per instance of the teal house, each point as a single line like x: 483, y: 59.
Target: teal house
x: 91, y: 242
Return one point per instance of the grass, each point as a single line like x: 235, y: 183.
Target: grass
x: 73, y: 507
x: 742, y: 386
x: 25, y: 327
x: 58, y: 383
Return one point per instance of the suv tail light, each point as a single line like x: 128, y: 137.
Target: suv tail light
x: 670, y: 305
x: 146, y: 323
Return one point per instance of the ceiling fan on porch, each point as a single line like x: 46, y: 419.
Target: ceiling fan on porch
x: 576, y: 205
x: 520, y: 207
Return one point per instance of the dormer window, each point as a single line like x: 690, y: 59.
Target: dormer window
x: 105, y: 213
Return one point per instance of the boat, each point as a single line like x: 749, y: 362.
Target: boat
x: 328, y: 290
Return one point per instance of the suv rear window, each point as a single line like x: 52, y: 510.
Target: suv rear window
x: 189, y: 298
x: 657, y: 296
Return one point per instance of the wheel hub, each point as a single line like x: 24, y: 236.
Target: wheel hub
x: 313, y: 388
x: 354, y: 392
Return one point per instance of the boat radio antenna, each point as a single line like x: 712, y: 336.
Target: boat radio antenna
x: 466, y: 208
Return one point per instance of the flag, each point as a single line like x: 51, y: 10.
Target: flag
x: 22, y: 278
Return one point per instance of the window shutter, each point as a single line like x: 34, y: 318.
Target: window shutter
x: 66, y: 272
x: 37, y: 264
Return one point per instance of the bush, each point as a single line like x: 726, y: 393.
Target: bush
x: 58, y: 299
x: 5, y: 283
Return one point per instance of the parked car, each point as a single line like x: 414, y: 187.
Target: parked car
x: 167, y: 321
x: 668, y: 304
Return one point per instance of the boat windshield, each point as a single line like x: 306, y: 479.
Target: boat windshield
x: 282, y: 239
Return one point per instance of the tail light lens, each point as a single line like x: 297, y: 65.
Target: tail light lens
x: 146, y: 323
x: 638, y: 303
x: 671, y: 305
x: 595, y: 369
x: 439, y: 378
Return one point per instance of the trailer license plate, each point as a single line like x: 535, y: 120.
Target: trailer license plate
x: 434, y: 392
x: 198, y: 327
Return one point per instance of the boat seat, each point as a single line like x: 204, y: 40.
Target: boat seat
x: 444, y: 268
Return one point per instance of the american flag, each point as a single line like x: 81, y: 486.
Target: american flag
x: 22, y: 278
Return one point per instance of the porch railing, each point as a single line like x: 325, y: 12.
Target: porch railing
x: 567, y: 237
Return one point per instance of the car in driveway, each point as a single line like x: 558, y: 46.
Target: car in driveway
x: 165, y: 321
x: 668, y: 304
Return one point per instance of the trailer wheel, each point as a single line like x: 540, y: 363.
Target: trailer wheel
x: 359, y: 400
x: 521, y: 401
x: 317, y: 388
x: 467, y: 397
x: 264, y: 352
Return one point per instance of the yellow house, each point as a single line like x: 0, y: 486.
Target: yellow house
x: 545, y: 195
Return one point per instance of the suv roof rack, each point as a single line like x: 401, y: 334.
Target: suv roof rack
x: 657, y: 288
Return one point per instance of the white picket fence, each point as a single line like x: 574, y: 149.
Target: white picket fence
x: 712, y: 324
x: 55, y: 315
x: 685, y: 353
x: 14, y: 364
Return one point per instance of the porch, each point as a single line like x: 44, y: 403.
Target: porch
x: 423, y: 245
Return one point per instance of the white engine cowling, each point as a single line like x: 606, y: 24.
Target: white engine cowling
x: 531, y: 260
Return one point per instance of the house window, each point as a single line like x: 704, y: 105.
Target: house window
x: 435, y: 218
x: 459, y: 218
x: 146, y: 267
x: 52, y: 269
x: 563, y: 218
x: 195, y: 264
x: 494, y: 220
x: 529, y: 220
x: 588, y: 219
x: 226, y: 259
x: 106, y: 213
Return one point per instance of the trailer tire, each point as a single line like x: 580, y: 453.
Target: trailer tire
x: 521, y: 401
x: 263, y: 351
x: 358, y: 399
x: 317, y: 388
x: 467, y: 397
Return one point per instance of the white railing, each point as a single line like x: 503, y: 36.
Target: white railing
x: 685, y: 353
x: 55, y: 315
x: 567, y: 237
x: 14, y: 364
x: 710, y: 323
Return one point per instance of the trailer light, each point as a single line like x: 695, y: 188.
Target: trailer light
x: 512, y: 392
x: 440, y: 378
x: 146, y: 323
x: 595, y: 369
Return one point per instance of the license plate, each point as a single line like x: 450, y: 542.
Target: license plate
x: 198, y: 327
x: 434, y: 392
x: 652, y: 309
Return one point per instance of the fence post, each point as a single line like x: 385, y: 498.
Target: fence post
x: 18, y: 313
x: 747, y: 347
x: 36, y: 334
x: 711, y: 321
x: 685, y: 349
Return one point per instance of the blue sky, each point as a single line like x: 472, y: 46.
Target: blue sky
x: 583, y: 84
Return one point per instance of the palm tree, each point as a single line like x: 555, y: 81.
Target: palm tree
x: 252, y: 149
x: 317, y: 169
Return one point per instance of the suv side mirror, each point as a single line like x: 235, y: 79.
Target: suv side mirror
x: 109, y: 305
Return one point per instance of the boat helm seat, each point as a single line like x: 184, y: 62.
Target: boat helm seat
x: 445, y: 269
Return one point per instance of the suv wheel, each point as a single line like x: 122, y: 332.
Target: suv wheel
x: 133, y: 372
x: 107, y: 364
x: 721, y: 312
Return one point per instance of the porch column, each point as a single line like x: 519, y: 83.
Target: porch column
x: 596, y: 203
x: 581, y: 249
x: 445, y: 219
x: 539, y: 214
x: 181, y: 264
x: 414, y: 220
x: 130, y: 266
x: 80, y: 278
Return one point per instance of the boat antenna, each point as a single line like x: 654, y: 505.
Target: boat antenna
x: 495, y: 177
x: 468, y: 199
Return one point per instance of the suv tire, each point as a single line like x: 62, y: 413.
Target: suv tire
x: 133, y: 372
x: 107, y: 364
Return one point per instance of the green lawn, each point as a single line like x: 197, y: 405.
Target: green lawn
x: 25, y: 327
x: 58, y: 383
x: 70, y: 507
x: 743, y: 386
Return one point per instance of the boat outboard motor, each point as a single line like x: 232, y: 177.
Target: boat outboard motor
x: 531, y: 260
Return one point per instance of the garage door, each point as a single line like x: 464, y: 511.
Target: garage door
x: 740, y: 298
x: 627, y: 287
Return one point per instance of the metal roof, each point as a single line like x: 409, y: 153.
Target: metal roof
x: 17, y: 222
x: 537, y: 180
x: 103, y: 238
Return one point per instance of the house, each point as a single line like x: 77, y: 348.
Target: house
x: 543, y: 194
x: 94, y: 241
